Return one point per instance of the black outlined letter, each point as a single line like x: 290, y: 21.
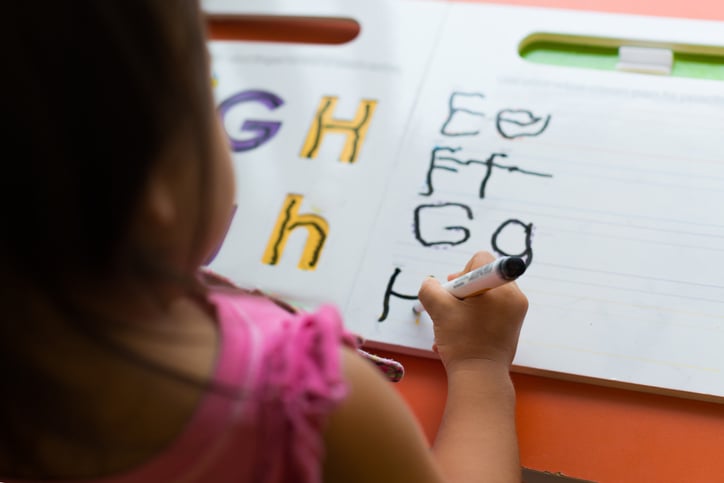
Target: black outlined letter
x: 515, y: 123
x: 389, y: 292
x: 462, y: 232
x: 465, y: 113
x: 527, y: 252
x: 442, y: 159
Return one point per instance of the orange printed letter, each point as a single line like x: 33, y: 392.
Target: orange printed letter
x: 355, y: 129
x: 290, y: 219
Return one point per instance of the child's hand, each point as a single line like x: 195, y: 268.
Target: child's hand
x: 483, y: 327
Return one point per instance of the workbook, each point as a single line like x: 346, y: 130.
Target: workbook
x: 589, y: 144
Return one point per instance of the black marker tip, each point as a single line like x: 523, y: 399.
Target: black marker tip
x: 512, y: 268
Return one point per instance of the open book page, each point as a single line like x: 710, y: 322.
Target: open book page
x: 610, y: 185
x: 314, y: 131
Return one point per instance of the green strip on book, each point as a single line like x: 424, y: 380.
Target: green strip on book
x: 699, y: 66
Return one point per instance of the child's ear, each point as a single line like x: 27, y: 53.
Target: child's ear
x: 159, y: 202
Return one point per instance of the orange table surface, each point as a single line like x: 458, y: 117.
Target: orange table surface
x: 577, y: 429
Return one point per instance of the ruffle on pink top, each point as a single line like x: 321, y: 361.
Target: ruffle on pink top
x: 285, y: 372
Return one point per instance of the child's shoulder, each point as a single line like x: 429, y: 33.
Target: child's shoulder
x: 276, y: 324
x: 271, y: 338
x: 263, y: 312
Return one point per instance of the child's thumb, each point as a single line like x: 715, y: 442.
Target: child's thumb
x: 432, y: 296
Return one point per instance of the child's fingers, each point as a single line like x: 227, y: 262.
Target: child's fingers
x: 433, y: 297
x: 478, y: 260
x: 455, y: 275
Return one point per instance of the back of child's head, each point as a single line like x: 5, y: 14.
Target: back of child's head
x: 94, y: 92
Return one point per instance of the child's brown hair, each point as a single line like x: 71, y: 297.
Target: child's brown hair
x: 92, y: 92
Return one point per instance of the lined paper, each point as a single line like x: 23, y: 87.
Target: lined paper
x: 611, y: 183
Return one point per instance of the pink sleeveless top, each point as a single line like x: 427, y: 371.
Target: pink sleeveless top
x: 285, y: 372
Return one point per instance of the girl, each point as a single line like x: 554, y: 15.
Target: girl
x: 121, y: 361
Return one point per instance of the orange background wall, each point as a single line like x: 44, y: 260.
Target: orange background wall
x: 701, y: 9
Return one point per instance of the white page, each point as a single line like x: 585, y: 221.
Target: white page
x: 621, y: 188
x: 385, y: 63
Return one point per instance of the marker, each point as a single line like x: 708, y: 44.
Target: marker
x: 494, y: 274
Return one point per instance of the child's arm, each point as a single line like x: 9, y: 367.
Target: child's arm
x: 373, y: 437
x: 476, y: 339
